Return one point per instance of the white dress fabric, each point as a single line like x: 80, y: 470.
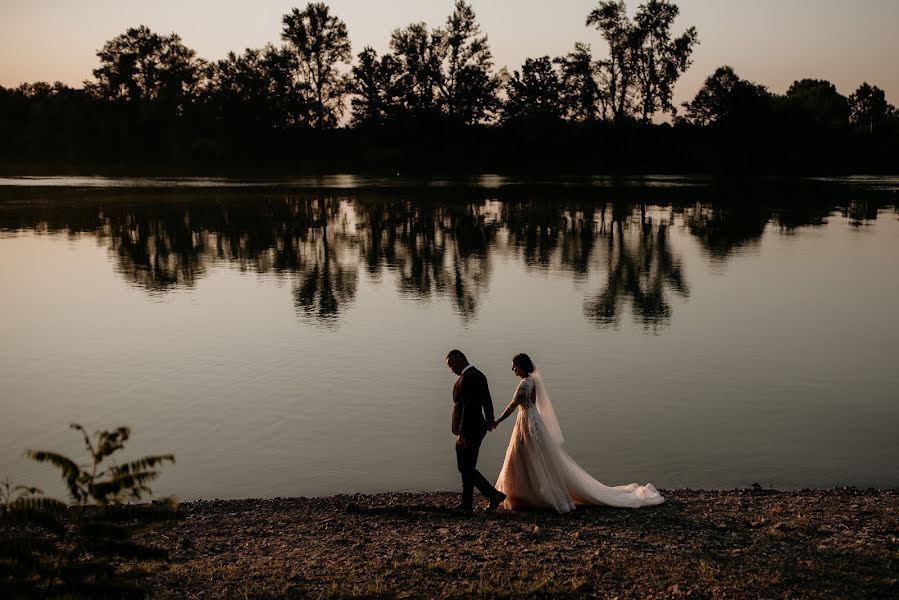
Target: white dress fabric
x: 537, y: 472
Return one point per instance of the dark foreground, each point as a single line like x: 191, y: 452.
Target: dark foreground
x: 742, y: 543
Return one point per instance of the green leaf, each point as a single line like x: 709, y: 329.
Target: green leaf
x: 87, y: 439
x: 28, y: 490
x: 68, y: 469
x: 131, y: 485
x: 111, y: 441
x: 142, y: 464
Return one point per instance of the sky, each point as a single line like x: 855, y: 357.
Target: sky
x: 772, y: 42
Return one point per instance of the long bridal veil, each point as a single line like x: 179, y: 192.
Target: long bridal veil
x: 545, y: 409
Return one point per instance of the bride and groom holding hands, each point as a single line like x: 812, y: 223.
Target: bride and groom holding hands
x: 537, y: 472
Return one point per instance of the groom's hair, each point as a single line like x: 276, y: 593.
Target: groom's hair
x: 456, y: 355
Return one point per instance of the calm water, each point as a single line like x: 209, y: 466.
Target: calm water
x: 287, y: 337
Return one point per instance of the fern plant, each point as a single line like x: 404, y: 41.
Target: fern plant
x: 49, y: 548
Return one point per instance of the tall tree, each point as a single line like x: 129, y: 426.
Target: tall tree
x: 468, y: 87
x: 420, y: 53
x: 534, y: 93
x: 726, y: 99
x: 816, y: 103
x: 319, y: 42
x: 868, y: 107
x: 660, y: 58
x: 617, y: 74
x: 376, y: 87
x: 257, y: 88
x: 584, y: 101
x: 143, y: 66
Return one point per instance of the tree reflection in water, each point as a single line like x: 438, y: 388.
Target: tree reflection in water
x: 156, y: 251
x: 860, y: 212
x: 640, y: 268
x: 724, y: 230
x: 434, y: 245
x: 434, y: 249
x: 326, y: 282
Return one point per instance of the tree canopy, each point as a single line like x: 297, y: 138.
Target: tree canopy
x: 153, y: 97
x: 141, y: 66
x: 317, y: 42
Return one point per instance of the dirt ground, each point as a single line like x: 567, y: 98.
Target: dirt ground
x: 753, y: 543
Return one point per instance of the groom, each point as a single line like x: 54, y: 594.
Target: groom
x: 471, y: 404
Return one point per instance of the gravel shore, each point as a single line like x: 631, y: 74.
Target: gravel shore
x: 704, y: 544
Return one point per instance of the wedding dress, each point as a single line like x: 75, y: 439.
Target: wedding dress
x: 537, y: 472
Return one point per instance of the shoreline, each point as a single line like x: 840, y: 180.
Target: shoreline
x: 267, y: 171
x: 842, y: 542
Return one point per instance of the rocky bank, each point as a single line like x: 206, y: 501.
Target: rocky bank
x: 751, y: 543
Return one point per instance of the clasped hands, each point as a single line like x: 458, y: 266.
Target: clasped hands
x: 463, y: 443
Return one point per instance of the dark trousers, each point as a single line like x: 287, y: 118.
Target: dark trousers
x: 467, y: 460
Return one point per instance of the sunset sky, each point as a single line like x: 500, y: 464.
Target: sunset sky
x: 771, y: 42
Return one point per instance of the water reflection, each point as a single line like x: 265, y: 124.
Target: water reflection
x: 727, y: 229
x: 435, y: 244
x: 153, y: 251
x: 641, y: 268
x: 436, y: 249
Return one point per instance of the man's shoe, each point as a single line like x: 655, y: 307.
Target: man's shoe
x: 495, y: 502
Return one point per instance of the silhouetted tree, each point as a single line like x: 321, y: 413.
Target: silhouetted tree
x: 816, y: 103
x: 420, y: 53
x: 444, y: 72
x: 154, y: 104
x: 48, y: 120
x: 617, y: 74
x: 257, y: 89
x: 319, y: 42
x: 376, y: 86
x: 645, y: 61
x: 726, y: 99
x: 141, y: 66
x: 660, y: 59
x: 583, y: 99
x: 468, y: 87
x: 534, y: 93
x: 868, y: 107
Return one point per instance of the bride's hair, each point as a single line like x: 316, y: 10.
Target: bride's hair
x: 523, y: 361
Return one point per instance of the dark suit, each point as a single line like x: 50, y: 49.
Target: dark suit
x: 472, y: 411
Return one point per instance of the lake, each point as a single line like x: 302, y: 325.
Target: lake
x: 287, y: 337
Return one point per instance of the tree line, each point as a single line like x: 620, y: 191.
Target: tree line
x: 436, y: 98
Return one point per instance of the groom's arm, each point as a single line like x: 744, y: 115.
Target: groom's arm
x: 488, y: 403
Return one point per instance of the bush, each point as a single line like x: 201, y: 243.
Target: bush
x: 52, y: 549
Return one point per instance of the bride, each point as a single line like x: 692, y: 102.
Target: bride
x: 537, y: 471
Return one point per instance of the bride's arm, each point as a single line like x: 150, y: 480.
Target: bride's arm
x: 517, y: 397
x: 505, y: 414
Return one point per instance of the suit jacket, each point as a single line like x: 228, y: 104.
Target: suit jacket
x: 472, y: 405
